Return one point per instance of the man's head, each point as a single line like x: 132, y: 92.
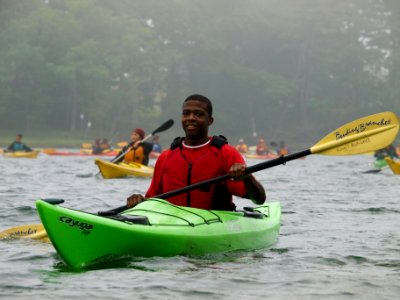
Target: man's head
x: 196, y: 118
x: 19, y: 137
x: 203, y: 99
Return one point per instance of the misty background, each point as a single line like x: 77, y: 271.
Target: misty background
x: 291, y: 70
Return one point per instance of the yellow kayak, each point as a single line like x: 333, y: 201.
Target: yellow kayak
x: 261, y: 156
x: 394, y: 165
x: 21, y: 154
x: 113, y: 170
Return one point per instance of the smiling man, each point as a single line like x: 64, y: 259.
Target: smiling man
x: 198, y: 157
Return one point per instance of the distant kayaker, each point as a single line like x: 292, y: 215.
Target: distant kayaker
x: 198, y: 157
x: 388, y: 151
x: 138, y: 151
x: 283, y: 150
x: 262, y: 147
x: 156, y: 144
x: 273, y: 147
x: 18, y: 145
x: 242, y: 147
x: 101, y: 146
x: 96, y: 147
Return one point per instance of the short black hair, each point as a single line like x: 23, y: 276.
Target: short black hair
x: 203, y: 99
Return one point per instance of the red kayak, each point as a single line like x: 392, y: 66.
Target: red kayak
x: 81, y: 153
x: 85, y: 152
x: 263, y: 156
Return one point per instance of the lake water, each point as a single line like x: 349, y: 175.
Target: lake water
x: 339, y: 239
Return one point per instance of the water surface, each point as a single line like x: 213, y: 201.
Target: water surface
x: 339, y: 239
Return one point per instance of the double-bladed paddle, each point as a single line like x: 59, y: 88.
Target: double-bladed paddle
x: 357, y: 137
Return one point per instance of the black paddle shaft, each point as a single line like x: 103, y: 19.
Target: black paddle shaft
x: 258, y: 167
x: 249, y: 170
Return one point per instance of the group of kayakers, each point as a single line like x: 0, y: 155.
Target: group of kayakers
x: 262, y: 147
x: 190, y: 159
x: 196, y: 157
x: 136, y: 151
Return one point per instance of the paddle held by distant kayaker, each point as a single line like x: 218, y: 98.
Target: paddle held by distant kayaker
x: 198, y: 157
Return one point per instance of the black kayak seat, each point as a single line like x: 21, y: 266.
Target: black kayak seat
x: 249, y: 212
x: 142, y: 220
x: 53, y: 201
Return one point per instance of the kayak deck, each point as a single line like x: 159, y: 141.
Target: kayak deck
x: 22, y: 154
x: 156, y: 228
x: 118, y: 170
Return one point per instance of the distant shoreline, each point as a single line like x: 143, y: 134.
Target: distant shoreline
x: 46, y: 139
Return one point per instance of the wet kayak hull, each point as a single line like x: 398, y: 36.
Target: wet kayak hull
x: 21, y: 154
x: 156, y: 228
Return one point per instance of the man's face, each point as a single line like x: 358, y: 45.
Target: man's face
x: 195, y: 119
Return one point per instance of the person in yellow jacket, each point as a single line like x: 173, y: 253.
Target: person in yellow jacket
x: 283, y: 150
x: 242, y: 147
x: 137, y: 150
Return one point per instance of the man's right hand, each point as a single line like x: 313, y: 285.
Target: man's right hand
x: 133, y: 200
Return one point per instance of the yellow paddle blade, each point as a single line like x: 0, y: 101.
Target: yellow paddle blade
x: 85, y: 151
x: 122, y: 144
x: 49, y: 150
x: 35, y: 231
x: 86, y: 145
x: 40, y: 236
x: 394, y: 165
x: 364, y: 135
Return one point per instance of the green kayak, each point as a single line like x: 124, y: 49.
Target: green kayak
x: 156, y: 228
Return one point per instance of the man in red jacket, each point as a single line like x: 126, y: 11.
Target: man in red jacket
x: 198, y: 157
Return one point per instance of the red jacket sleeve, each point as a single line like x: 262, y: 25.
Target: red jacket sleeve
x: 231, y: 156
x: 156, y: 182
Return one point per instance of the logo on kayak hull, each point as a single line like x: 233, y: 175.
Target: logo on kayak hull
x: 83, y: 226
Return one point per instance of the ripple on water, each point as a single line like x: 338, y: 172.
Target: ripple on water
x: 377, y: 210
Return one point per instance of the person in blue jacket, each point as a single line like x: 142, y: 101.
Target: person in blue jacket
x: 156, y: 144
x: 18, y: 145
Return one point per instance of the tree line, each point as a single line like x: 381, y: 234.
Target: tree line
x: 283, y: 69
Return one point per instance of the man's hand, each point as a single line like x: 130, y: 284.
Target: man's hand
x: 237, y: 172
x: 133, y: 200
